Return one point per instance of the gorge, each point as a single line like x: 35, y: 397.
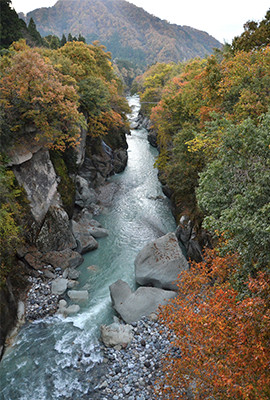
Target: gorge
x: 62, y: 353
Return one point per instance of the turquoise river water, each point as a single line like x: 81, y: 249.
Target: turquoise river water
x: 58, y: 358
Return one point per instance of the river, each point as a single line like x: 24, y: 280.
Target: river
x: 58, y: 358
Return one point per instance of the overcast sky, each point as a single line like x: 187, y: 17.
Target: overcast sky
x: 221, y: 19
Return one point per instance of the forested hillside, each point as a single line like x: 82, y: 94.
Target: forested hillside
x: 127, y: 31
x: 212, y: 120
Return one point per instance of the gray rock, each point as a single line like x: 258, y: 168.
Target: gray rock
x: 73, y: 309
x: 85, y: 195
x: 55, y: 234
x: 98, y: 232
x: 72, y: 284
x: 62, y: 304
x: 106, y: 193
x: 116, y: 334
x: 78, y: 295
x: 133, y: 306
x: 39, y: 180
x: 120, y: 158
x: 49, y: 274
x: 72, y: 273
x: 59, y: 286
x: 160, y: 262
x: 85, y: 241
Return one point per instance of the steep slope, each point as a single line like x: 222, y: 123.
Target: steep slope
x: 126, y: 30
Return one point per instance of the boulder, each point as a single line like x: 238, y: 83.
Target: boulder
x: 65, y: 311
x: 39, y: 180
x: 160, y: 262
x: 120, y: 158
x: 59, y: 286
x: 78, y: 295
x: 98, y: 232
x: 116, y: 334
x: 71, y: 273
x: 85, y: 195
x: 143, y: 302
x: 55, y: 233
x: 85, y: 241
x: 106, y: 193
x: 63, y: 259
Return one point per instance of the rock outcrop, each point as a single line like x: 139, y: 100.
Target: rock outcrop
x: 132, y: 306
x: 160, y: 262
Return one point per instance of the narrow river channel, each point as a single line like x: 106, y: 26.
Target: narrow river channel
x: 57, y: 358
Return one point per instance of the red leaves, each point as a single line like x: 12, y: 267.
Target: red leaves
x: 224, y: 342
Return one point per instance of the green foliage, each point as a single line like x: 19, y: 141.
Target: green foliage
x: 10, y: 217
x: 234, y: 191
x: 12, y: 28
x: 255, y: 36
x: 32, y: 29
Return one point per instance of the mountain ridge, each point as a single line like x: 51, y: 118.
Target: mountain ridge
x: 126, y: 30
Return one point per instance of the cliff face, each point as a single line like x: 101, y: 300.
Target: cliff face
x: 126, y: 30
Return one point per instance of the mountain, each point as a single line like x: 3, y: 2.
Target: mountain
x: 126, y: 30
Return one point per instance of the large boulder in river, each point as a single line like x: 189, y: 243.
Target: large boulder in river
x: 160, y: 262
x: 132, y: 306
x: 85, y: 241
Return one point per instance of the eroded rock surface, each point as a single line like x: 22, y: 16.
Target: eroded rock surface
x: 160, y: 262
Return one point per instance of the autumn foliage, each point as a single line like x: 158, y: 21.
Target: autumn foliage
x: 224, y: 341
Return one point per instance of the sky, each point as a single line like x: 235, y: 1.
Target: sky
x: 222, y: 19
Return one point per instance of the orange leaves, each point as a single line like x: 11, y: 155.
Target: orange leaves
x: 224, y: 342
x: 33, y: 94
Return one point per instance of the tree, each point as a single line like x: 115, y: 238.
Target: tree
x: 234, y: 191
x: 32, y: 29
x: 32, y: 94
x: 12, y: 28
x: 220, y: 344
x: 63, y: 40
x: 255, y: 35
x: 10, y: 218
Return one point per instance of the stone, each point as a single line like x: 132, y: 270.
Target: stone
x: 143, y: 302
x: 39, y: 180
x: 85, y: 195
x: 116, y: 334
x: 106, y: 193
x: 97, y: 232
x: 71, y: 284
x: 59, y: 286
x: 78, y: 295
x: 49, y: 274
x: 160, y: 262
x: 120, y: 158
x: 55, y: 233
x: 85, y: 241
x: 72, y: 273
x: 63, y: 259
x: 62, y: 303
x: 73, y: 309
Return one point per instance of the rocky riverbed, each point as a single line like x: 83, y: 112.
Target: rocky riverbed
x: 133, y: 372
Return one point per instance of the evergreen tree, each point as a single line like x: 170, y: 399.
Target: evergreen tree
x: 63, y: 41
x: 12, y: 28
x: 35, y: 35
x: 81, y: 38
x: 70, y: 38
